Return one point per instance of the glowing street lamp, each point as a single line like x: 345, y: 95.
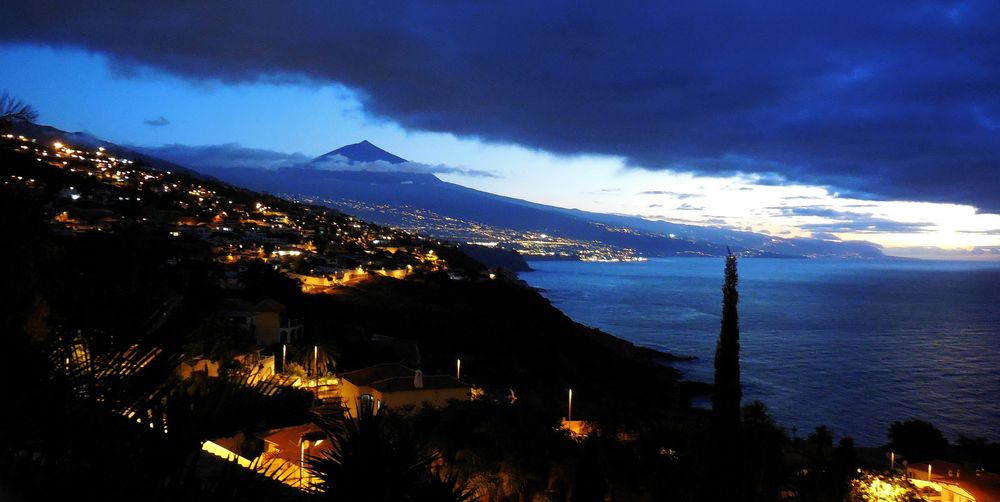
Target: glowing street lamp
x: 316, y: 369
x: 458, y: 369
x: 569, y: 412
x: 284, y: 354
x: 317, y: 439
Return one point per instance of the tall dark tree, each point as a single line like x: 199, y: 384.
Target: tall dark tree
x: 726, y: 395
x: 917, y: 440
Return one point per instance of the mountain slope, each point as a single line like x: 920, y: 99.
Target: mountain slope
x: 379, y: 191
x: 361, y: 152
x: 427, y: 192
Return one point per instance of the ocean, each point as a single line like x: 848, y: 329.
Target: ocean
x: 853, y: 345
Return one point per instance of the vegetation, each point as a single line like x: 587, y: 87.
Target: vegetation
x: 96, y: 323
x: 377, y: 457
x: 727, y: 390
x: 917, y: 440
x: 13, y: 110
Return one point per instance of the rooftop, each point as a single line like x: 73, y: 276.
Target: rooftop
x: 371, y: 374
x: 398, y: 384
x: 395, y: 377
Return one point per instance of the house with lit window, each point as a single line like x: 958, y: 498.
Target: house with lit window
x: 267, y: 319
x: 397, y: 386
x: 943, y: 481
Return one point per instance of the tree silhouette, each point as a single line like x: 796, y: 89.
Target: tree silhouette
x: 14, y: 110
x: 375, y: 457
x: 917, y: 440
x: 726, y: 395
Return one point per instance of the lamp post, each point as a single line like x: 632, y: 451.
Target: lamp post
x: 302, y: 459
x: 458, y: 369
x: 303, y: 445
x: 316, y: 370
x: 284, y: 354
x: 569, y: 413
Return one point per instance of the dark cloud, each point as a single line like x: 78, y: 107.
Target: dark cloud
x: 849, y: 221
x: 675, y: 195
x: 935, y: 253
x: 995, y: 231
x: 341, y: 163
x: 158, y: 122
x: 869, y: 225
x: 821, y: 211
x: 899, y: 98
x: 235, y: 155
x: 689, y: 207
x: 224, y: 156
x: 825, y: 236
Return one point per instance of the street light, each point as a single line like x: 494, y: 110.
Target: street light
x: 569, y: 414
x: 316, y: 370
x: 317, y: 439
x: 458, y: 369
x: 284, y: 353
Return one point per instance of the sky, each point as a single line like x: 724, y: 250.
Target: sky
x: 841, y: 120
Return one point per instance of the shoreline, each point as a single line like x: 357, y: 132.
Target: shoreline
x: 758, y: 382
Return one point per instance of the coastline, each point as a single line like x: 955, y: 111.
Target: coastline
x: 788, y: 320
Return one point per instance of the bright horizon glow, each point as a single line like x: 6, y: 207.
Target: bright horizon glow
x: 126, y: 106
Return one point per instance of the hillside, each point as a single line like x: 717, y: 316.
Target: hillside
x: 95, y: 209
x: 424, y: 203
x: 126, y: 274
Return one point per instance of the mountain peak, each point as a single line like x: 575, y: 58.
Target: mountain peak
x: 364, y: 151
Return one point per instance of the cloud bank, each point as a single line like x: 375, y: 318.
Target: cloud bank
x: 233, y: 155
x: 157, y: 122
x: 897, y: 99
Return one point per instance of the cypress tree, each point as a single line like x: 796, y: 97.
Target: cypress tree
x: 727, y: 392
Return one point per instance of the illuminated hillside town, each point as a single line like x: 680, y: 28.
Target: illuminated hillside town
x: 323, y: 252
x: 437, y: 251
x: 321, y: 248
x: 530, y: 245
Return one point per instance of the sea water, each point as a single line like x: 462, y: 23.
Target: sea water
x: 853, y: 345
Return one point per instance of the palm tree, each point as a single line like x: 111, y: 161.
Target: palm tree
x: 375, y: 457
x: 314, y: 357
x: 14, y: 110
x: 78, y: 415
